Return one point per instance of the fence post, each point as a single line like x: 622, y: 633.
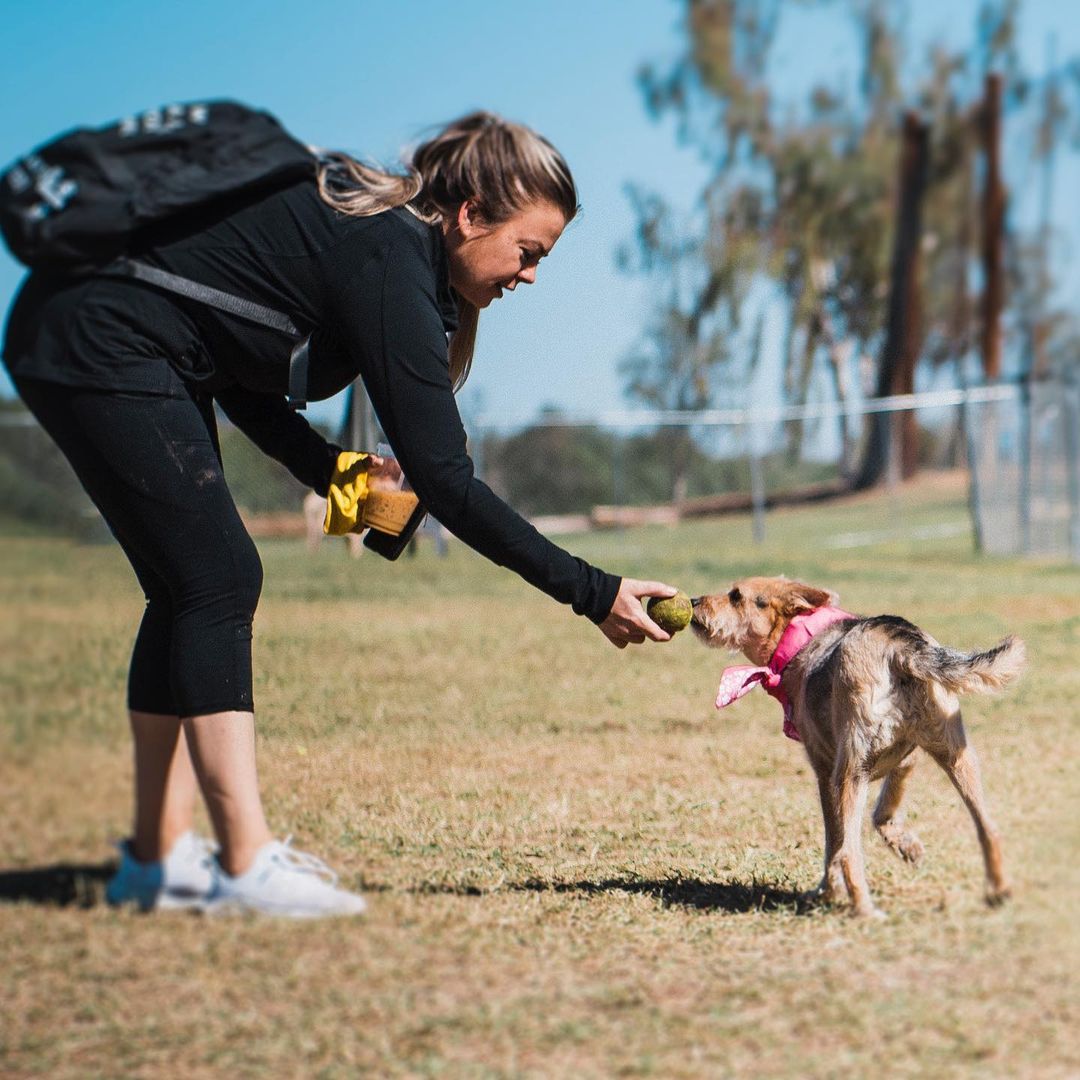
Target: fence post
x: 1072, y: 460
x: 974, y: 490
x: 757, y: 486
x: 1023, y: 477
x: 617, y: 476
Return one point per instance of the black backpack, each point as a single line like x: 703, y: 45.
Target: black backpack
x: 85, y: 197
x: 79, y: 203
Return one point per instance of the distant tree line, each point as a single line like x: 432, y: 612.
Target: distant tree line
x: 39, y: 491
x: 547, y: 468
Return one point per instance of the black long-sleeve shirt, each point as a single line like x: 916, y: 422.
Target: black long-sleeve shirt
x: 375, y: 292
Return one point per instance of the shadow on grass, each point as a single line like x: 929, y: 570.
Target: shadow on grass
x: 734, y: 897
x: 62, y: 885
x: 83, y: 886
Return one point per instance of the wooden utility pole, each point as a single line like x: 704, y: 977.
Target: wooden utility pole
x: 1040, y: 331
x: 903, y: 330
x: 993, y: 231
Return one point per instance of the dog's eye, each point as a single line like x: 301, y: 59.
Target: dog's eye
x: 735, y: 596
x: 761, y: 602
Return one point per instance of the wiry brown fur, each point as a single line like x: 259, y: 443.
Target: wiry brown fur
x: 866, y: 693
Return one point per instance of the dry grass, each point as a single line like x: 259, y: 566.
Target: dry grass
x: 576, y: 866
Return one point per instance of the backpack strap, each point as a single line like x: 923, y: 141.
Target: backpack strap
x: 298, y: 373
x: 235, y: 305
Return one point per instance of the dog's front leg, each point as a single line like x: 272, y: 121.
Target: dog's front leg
x: 852, y: 785
x: 831, y: 888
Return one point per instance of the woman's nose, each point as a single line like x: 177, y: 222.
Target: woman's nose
x: 528, y: 275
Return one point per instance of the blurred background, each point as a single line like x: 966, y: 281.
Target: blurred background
x: 826, y: 245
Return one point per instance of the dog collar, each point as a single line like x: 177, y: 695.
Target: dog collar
x: 737, y: 681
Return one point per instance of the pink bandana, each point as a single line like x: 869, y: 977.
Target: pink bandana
x: 739, y: 680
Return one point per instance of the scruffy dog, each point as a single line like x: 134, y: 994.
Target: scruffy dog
x: 862, y: 694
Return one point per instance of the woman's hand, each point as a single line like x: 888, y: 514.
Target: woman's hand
x: 627, y: 621
x: 384, y: 473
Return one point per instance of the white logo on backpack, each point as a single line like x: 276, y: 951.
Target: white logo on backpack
x: 54, y: 186
x: 164, y: 120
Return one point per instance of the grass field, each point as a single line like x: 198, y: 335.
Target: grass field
x: 576, y: 866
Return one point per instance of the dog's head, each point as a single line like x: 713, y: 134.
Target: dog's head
x: 753, y: 614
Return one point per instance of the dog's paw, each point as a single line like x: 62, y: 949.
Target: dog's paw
x: 997, y: 895
x: 910, y: 848
x: 870, y: 912
x: 906, y: 844
x: 825, y: 895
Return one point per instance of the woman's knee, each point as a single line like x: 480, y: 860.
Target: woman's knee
x: 226, y: 588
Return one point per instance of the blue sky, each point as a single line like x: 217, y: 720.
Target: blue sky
x: 370, y: 77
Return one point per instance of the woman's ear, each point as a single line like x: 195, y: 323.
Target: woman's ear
x: 469, y: 220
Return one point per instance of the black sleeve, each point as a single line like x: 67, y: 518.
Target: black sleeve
x: 406, y: 373
x: 282, y: 434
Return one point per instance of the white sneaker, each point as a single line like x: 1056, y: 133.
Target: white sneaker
x: 181, y: 880
x: 282, y: 882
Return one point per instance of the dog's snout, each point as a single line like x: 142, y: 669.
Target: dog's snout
x: 695, y: 600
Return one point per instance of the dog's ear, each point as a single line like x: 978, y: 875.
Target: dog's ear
x: 799, y: 598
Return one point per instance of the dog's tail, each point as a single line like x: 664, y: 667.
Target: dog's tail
x: 966, y: 673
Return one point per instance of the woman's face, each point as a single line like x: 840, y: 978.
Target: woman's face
x: 485, y: 259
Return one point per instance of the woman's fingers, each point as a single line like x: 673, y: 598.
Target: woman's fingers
x: 652, y: 588
x: 639, y: 615
x: 628, y: 622
x: 384, y: 474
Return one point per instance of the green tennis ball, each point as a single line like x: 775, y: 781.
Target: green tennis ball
x: 672, y: 614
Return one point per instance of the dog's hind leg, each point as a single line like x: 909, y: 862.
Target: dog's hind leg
x: 960, y: 762
x: 852, y: 785
x: 889, y: 817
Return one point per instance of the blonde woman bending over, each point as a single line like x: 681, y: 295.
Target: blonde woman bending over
x: 124, y: 376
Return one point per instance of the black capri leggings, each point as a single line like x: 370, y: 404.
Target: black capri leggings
x: 152, y: 466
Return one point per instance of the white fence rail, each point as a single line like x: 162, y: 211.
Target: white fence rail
x: 1020, y: 441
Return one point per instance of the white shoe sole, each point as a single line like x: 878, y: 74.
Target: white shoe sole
x: 236, y: 906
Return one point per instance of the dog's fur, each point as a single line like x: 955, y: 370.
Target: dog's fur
x: 866, y: 693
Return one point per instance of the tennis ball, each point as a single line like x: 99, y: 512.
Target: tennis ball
x: 672, y: 614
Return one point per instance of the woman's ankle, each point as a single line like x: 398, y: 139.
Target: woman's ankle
x: 235, y: 858
x: 152, y: 844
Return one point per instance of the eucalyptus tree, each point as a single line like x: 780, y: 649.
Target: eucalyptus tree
x: 803, y: 194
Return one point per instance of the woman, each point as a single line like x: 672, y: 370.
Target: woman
x: 123, y: 376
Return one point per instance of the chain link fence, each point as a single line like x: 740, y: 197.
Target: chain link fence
x: 1019, y: 443
x: 1025, y: 469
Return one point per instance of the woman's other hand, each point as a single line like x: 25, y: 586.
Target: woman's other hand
x: 384, y: 473
x: 627, y: 621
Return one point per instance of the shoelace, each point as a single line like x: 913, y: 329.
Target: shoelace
x: 205, y: 849
x: 202, y: 851
x: 303, y: 862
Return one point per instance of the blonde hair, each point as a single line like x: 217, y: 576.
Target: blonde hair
x: 499, y: 165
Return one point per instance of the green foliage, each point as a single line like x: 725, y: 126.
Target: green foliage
x: 551, y: 470
x: 569, y: 469
x: 258, y: 484
x: 38, y: 490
